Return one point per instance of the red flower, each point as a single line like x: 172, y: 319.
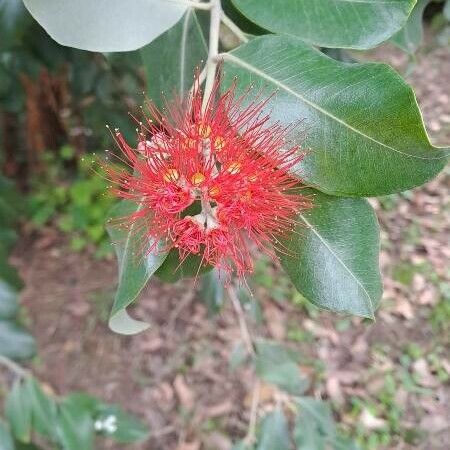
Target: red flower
x: 211, y: 181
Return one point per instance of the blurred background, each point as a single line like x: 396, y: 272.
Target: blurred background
x: 389, y: 383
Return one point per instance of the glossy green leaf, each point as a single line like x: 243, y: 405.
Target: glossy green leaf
x: 136, y: 266
x: 125, y: 428
x: 361, y: 122
x: 171, y: 60
x: 275, y: 364
x: 18, y: 412
x: 274, y: 432
x: 105, y: 25
x: 15, y: 341
x: 410, y: 36
x: 332, y: 257
x: 6, y: 441
x: 172, y: 269
x: 330, y: 23
x: 212, y: 291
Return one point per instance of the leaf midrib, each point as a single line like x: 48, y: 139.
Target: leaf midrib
x: 339, y: 260
x: 264, y: 75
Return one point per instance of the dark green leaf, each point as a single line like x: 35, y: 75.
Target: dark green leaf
x: 275, y: 364
x: 172, y: 269
x: 212, y: 291
x: 18, y: 412
x: 136, y: 266
x: 332, y: 257
x: 14, y: 20
x: 410, y: 36
x: 330, y: 23
x: 274, y: 433
x: 105, y: 25
x: 362, y: 122
x: 170, y: 60
x: 15, y: 341
x: 6, y: 441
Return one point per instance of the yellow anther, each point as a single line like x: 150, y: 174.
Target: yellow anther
x: 204, y: 130
x: 171, y: 175
x: 234, y: 168
x: 214, y: 191
x: 190, y: 142
x: 252, y: 178
x: 219, y: 143
x: 197, y: 179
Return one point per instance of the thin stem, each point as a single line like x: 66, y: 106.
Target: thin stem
x: 211, y: 63
x: 246, y: 336
x: 193, y: 4
x: 13, y: 366
x: 250, y: 437
x: 234, y: 28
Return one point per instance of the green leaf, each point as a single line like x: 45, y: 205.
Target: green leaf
x: 274, y: 433
x: 172, y: 269
x: 212, y: 291
x: 275, y: 364
x: 170, y: 60
x: 15, y: 341
x: 314, y: 425
x: 44, y: 411
x: 332, y: 257
x: 8, y: 301
x: 330, y: 23
x: 126, y: 429
x: 18, y: 412
x: 14, y: 20
x: 105, y: 25
x: 362, y: 123
x: 75, y: 427
x: 446, y: 10
x: 6, y: 441
x: 410, y: 36
x: 134, y: 269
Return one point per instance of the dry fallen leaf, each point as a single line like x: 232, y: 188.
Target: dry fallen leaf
x: 184, y: 393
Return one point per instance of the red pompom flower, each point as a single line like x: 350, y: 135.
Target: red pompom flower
x: 211, y: 180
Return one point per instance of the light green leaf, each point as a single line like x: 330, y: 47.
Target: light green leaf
x: 170, y: 60
x: 8, y: 301
x: 410, y: 36
x: 136, y: 266
x: 105, y: 25
x: 361, y: 122
x: 274, y: 433
x: 275, y: 364
x: 43, y: 409
x: 6, y: 441
x: 330, y: 23
x: 18, y: 412
x: 314, y: 425
x: 15, y: 341
x: 332, y: 257
x: 75, y: 426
